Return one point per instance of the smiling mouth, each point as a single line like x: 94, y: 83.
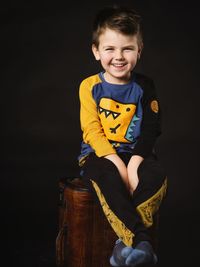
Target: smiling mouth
x: 118, y: 65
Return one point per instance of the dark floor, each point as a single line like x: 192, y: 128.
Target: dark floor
x: 30, y: 221
x: 32, y: 249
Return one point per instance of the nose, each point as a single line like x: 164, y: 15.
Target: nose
x: 119, y: 55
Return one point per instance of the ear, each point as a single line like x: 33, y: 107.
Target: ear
x: 138, y: 55
x: 140, y: 50
x: 95, y: 52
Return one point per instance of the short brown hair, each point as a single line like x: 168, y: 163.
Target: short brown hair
x: 121, y: 19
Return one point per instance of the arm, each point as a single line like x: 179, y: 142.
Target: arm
x: 132, y: 168
x: 90, y: 124
x: 150, y: 130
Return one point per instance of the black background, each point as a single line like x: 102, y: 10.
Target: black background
x: 45, y: 53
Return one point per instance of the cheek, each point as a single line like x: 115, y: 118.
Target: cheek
x: 105, y: 58
x: 131, y: 55
x: 133, y: 60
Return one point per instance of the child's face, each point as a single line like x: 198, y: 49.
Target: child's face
x: 118, y: 54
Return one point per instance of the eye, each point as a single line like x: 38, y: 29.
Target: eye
x: 117, y: 106
x: 108, y: 49
x: 128, y: 109
x: 129, y: 48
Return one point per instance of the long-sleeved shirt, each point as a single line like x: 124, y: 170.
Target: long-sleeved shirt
x: 118, y: 117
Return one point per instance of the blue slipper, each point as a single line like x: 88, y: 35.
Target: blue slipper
x: 142, y: 254
x: 117, y: 259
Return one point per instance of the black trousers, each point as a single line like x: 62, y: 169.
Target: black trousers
x: 129, y: 216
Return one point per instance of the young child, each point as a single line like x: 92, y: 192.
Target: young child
x: 120, y: 120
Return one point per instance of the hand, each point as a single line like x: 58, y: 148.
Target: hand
x: 132, y: 168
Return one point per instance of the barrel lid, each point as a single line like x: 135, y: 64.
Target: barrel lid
x: 73, y: 183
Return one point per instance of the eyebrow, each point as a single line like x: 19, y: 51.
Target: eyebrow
x: 112, y: 46
x: 132, y: 46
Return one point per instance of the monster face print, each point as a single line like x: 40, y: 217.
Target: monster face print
x: 118, y: 120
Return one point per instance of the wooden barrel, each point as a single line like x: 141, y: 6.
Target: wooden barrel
x: 85, y: 237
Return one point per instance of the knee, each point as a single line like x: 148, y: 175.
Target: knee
x: 98, y: 167
x: 152, y: 173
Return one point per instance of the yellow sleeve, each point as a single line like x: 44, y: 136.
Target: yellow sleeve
x: 93, y: 133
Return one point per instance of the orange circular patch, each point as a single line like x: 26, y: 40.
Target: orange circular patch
x: 154, y: 106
